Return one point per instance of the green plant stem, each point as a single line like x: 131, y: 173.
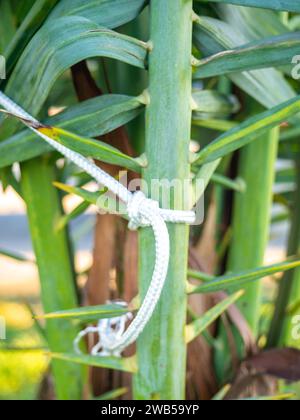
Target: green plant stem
x: 161, y: 348
x: 252, y: 217
x: 289, y: 288
x: 55, y: 269
x: 251, y: 220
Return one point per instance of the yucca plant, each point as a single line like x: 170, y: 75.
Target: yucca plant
x: 129, y: 83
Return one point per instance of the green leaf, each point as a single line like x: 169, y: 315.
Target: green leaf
x: 87, y: 147
x: 33, y: 20
x: 7, y: 177
x: 212, y: 36
x: 279, y: 397
x: 91, y: 147
x: 91, y: 118
x: 254, y: 24
x: 212, y: 104
x: 237, y: 185
x: 204, y: 174
x: 64, y: 220
x: 200, y: 275
x: 284, y: 5
x: 23, y: 349
x: 222, y: 393
x: 247, y: 131
x: 294, y: 23
x: 123, y: 364
x: 88, y: 196
x: 197, y: 327
x: 269, y: 52
x: 39, y: 327
x: 100, y: 115
x: 110, y: 206
x: 112, y: 395
x: 87, y: 313
x: 16, y: 256
x: 241, y: 278
x: 7, y: 24
x: 218, y: 125
x: 56, y: 47
x: 108, y: 13
x: 293, y: 308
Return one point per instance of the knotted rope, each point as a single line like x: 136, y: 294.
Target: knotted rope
x: 142, y: 212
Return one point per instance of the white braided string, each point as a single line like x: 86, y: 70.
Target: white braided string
x: 142, y: 211
x: 109, y: 331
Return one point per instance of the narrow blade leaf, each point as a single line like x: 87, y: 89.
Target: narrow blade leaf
x: 108, y: 13
x: 272, y: 52
x: 279, y: 397
x: 111, y: 206
x: 267, y: 86
x: 112, y: 395
x: 91, y: 148
x: 123, y: 364
x: 242, y: 278
x: 56, y: 47
x: 247, y: 131
x: 197, y: 327
x: 91, y: 118
x: 284, y: 5
x: 212, y: 104
x: 33, y: 20
x: 88, y: 196
x: 64, y: 220
x: 87, y: 313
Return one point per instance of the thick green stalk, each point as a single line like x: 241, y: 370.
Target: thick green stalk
x: 251, y: 220
x: 55, y: 269
x: 289, y: 288
x: 52, y: 250
x: 161, y: 348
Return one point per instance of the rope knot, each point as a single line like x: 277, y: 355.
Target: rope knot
x: 109, y: 330
x: 137, y: 209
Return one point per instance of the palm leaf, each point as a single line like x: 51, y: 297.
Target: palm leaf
x: 284, y: 5
x: 91, y: 118
x: 212, y: 36
x: 240, y: 279
x: 56, y: 47
x: 247, y: 131
x: 197, y: 327
x: 107, y: 13
x: 87, y: 313
x: 269, y: 52
x: 122, y: 364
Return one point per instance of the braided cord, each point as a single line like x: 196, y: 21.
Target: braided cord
x: 113, y: 338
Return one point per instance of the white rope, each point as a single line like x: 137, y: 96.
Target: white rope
x: 142, y: 211
x: 109, y: 331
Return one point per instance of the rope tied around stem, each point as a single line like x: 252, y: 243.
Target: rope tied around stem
x: 135, y: 207
x: 142, y: 212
